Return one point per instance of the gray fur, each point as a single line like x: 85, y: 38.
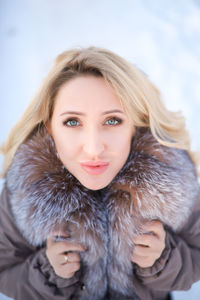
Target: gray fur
x: 157, y: 182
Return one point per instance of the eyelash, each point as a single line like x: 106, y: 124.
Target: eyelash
x: 118, y: 120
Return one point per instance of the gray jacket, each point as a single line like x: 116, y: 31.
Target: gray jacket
x: 40, y: 195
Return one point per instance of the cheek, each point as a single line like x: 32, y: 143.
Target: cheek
x: 66, y: 147
x: 120, y: 153
x: 121, y: 142
x: 125, y: 150
x: 125, y: 147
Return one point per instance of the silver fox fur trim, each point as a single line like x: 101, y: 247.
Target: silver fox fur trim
x: 156, y: 182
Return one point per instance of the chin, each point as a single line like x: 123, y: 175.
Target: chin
x: 95, y: 185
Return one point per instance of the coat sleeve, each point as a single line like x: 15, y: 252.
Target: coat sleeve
x: 179, y: 265
x: 25, y: 272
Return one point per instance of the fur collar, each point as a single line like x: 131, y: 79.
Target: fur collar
x: 162, y: 183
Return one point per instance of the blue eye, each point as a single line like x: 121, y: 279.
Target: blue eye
x: 71, y: 123
x: 113, y: 121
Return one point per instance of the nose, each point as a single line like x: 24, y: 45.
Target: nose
x: 93, y: 144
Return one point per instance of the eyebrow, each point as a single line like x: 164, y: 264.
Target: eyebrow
x: 70, y: 112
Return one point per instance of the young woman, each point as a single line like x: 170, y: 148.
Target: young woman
x: 101, y: 197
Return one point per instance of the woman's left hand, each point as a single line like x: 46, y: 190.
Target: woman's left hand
x: 149, y: 246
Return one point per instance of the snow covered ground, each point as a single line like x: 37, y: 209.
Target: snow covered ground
x: 160, y: 37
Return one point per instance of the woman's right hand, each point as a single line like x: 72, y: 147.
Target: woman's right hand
x: 58, y: 251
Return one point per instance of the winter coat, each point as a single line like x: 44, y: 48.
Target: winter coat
x: 41, y: 196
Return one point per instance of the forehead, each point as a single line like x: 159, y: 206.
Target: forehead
x: 85, y: 93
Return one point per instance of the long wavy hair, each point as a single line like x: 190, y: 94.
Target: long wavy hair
x: 139, y: 97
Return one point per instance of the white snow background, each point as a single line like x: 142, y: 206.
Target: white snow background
x: 161, y: 37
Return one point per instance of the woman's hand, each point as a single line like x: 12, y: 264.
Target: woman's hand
x: 150, y: 245
x: 62, y: 257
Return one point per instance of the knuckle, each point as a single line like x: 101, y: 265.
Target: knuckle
x: 76, y: 266
x: 76, y: 257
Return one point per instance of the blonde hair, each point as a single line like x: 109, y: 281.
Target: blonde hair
x: 139, y: 97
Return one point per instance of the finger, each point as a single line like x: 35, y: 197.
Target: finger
x: 143, y: 262
x: 154, y: 226
x: 143, y: 251
x: 73, y: 257
x: 61, y: 247
x: 145, y: 240
x: 150, y: 252
x: 136, y: 258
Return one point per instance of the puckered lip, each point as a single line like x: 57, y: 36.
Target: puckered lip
x: 94, y: 163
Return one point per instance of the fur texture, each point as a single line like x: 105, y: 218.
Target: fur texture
x: 157, y: 182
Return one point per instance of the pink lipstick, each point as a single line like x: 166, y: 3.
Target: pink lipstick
x: 94, y: 168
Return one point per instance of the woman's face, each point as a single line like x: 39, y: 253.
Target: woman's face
x: 91, y: 130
